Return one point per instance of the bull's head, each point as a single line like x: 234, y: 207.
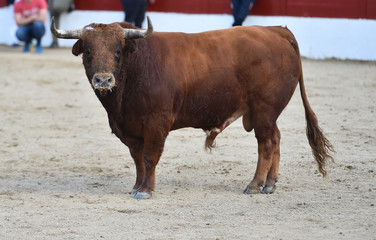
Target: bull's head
x: 102, y: 47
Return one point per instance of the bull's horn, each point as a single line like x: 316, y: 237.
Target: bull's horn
x: 134, y: 33
x: 67, y: 34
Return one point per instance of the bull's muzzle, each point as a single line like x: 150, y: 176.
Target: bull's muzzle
x: 103, y: 82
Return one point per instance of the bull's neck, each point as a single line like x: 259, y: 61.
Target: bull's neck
x: 110, y: 100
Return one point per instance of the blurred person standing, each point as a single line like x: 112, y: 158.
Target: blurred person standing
x: 30, y: 16
x: 135, y: 11
x: 240, y: 10
x: 56, y: 8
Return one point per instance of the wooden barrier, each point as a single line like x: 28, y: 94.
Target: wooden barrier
x: 354, y: 9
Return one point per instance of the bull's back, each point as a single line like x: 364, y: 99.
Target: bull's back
x: 218, y: 73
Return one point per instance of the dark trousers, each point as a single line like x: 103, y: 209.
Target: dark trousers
x: 240, y: 10
x: 134, y: 11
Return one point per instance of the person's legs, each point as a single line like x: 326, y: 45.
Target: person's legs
x: 235, y: 9
x: 23, y: 34
x: 28, y: 32
x: 129, y: 7
x: 38, y: 31
x: 123, y: 3
x: 141, y: 9
x: 242, y: 9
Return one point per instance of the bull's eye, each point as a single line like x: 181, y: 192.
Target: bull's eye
x: 88, y: 55
x: 87, y: 52
x: 117, y: 55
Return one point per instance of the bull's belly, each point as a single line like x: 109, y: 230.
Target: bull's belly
x: 215, y: 119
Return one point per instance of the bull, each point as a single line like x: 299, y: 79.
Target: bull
x: 151, y: 83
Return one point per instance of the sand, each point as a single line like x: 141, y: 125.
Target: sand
x: 63, y: 175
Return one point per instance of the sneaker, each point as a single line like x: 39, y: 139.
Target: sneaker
x: 26, y: 47
x: 39, y: 49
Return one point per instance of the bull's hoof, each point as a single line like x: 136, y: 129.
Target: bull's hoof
x: 252, y: 190
x: 141, y: 195
x: 133, y: 192
x: 268, y: 190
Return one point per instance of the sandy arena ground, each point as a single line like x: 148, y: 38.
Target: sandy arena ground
x: 63, y: 175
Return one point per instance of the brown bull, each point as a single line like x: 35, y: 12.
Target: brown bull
x: 152, y: 83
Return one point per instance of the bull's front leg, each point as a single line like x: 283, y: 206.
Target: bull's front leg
x: 136, y: 154
x: 136, y: 147
x: 155, y: 135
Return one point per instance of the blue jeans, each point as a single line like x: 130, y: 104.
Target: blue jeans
x: 32, y: 31
x: 240, y: 10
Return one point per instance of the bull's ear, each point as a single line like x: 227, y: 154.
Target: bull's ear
x: 77, y: 48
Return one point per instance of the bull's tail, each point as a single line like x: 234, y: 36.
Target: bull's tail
x: 321, y: 146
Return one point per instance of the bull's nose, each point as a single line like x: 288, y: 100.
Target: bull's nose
x: 103, y: 81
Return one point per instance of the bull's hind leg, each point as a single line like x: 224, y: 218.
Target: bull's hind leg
x: 268, y: 159
x: 273, y: 172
